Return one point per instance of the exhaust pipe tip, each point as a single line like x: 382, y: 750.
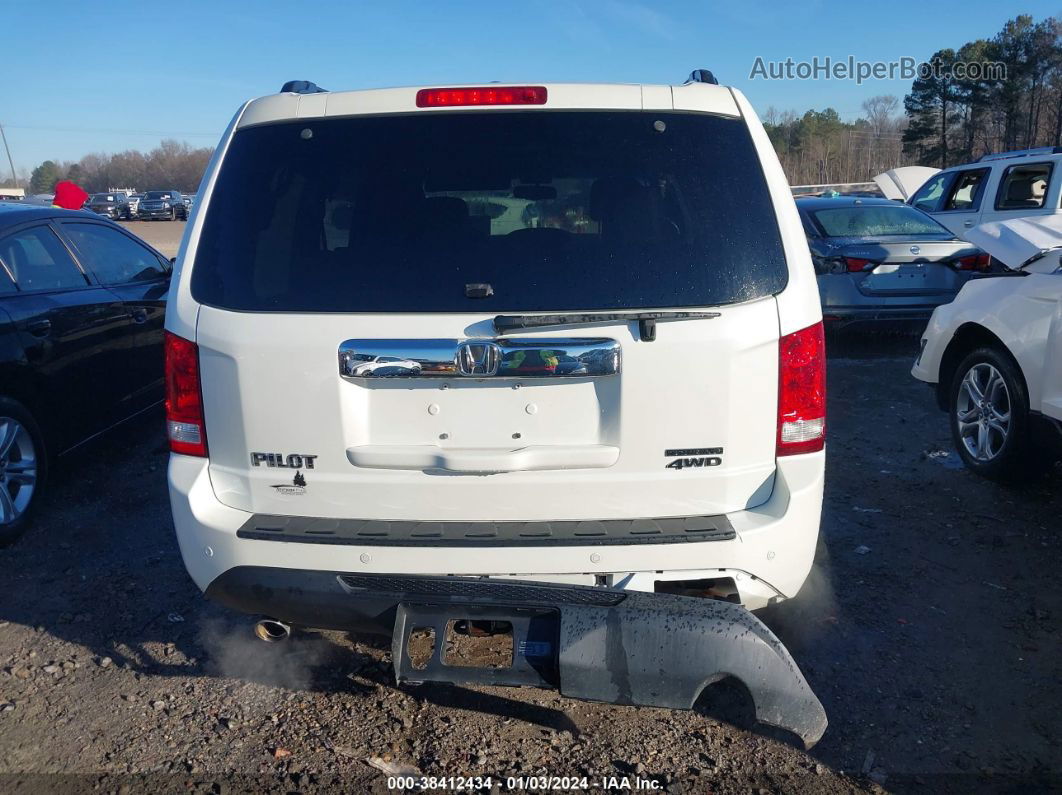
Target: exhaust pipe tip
x: 272, y: 631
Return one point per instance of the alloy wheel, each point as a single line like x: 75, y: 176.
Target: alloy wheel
x: 982, y: 411
x: 18, y: 469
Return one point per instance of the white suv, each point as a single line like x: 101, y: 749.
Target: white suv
x: 998, y: 187
x: 605, y: 394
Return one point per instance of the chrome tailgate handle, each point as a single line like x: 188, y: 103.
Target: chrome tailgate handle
x: 511, y: 357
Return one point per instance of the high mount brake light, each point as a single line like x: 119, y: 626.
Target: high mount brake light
x: 185, y: 425
x: 802, y: 392
x: 481, y: 95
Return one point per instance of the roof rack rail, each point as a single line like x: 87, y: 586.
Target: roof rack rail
x: 302, y: 87
x: 1041, y: 150
x: 701, y: 76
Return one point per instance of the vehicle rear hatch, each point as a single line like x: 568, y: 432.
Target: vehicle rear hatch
x: 351, y: 272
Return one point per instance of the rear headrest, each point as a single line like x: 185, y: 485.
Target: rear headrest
x: 626, y: 209
x: 342, y: 216
x: 609, y: 195
x: 386, y: 211
x: 1019, y: 190
x: 445, y: 211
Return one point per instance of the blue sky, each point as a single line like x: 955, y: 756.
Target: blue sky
x: 102, y: 77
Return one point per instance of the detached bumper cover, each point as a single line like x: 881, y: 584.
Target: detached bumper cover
x: 660, y: 650
x: 621, y: 647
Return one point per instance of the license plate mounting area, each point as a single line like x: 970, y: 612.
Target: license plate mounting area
x: 533, y: 632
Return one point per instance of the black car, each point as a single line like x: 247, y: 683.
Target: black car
x: 110, y: 205
x: 166, y: 204
x: 82, y: 304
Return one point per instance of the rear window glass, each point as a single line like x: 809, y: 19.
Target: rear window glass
x: 876, y: 221
x: 158, y: 194
x: 554, y: 210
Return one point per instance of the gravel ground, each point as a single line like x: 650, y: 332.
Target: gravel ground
x: 929, y: 629
x: 165, y: 236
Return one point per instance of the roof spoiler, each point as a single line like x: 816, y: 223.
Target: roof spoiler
x: 302, y: 87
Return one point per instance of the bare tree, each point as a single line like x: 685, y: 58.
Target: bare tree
x: 172, y: 164
x: 818, y: 147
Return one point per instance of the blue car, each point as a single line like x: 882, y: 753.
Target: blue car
x: 879, y: 261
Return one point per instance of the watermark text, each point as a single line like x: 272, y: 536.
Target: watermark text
x: 850, y: 68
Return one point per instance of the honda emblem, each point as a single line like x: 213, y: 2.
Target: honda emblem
x: 478, y: 358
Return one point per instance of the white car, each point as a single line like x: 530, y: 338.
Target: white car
x: 994, y: 355
x: 380, y: 366
x: 503, y: 481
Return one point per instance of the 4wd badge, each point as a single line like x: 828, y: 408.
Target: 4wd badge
x: 694, y: 457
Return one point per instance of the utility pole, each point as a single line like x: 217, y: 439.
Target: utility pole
x: 10, y: 162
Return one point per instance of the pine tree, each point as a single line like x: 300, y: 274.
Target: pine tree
x: 931, y: 107
x: 44, y: 177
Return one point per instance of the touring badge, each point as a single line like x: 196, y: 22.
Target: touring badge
x: 298, y: 485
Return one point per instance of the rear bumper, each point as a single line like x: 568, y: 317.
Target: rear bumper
x: 843, y: 302
x: 769, y: 554
x: 905, y: 321
x: 591, y: 643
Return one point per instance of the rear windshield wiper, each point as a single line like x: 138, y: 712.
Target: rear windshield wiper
x: 504, y: 324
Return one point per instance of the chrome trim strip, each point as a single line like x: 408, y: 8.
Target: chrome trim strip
x: 511, y: 357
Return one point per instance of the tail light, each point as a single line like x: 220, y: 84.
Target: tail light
x: 974, y: 262
x: 484, y: 95
x: 822, y: 264
x: 802, y: 391
x: 856, y: 265
x: 185, y: 425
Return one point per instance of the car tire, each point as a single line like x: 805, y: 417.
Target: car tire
x: 173, y: 213
x: 23, y: 465
x: 988, y: 410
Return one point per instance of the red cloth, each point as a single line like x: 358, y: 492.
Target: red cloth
x: 69, y: 196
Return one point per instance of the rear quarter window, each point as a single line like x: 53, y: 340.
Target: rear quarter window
x: 555, y: 210
x: 1024, y: 187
